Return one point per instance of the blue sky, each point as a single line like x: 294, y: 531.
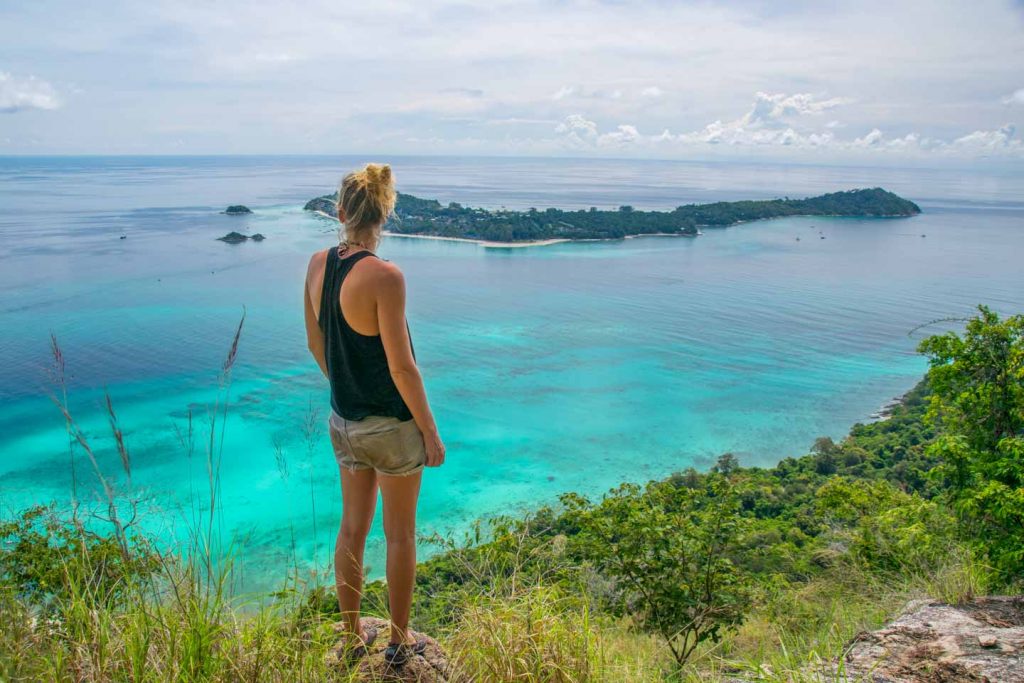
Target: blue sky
x: 809, y: 81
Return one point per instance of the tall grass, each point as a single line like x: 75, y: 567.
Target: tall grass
x: 74, y: 607
x: 961, y: 578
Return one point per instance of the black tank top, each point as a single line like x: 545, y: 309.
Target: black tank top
x: 357, y: 366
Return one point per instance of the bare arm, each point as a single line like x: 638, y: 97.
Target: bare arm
x: 395, y: 336
x: 314, y: 335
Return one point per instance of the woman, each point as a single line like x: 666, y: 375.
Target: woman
x: 381, y: 426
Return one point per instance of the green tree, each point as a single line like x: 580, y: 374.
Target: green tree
x: 668, y: 549
x: 825, y: 453
x: 727, y: 463
x: 977, y: 382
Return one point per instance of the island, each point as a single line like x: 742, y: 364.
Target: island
x: 237, y: 210
x: 429, y: 218
x: 237, y: 237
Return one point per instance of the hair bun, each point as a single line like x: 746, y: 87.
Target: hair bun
x: 378, y: 174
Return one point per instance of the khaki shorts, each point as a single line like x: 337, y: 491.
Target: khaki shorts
x: 387, y: 444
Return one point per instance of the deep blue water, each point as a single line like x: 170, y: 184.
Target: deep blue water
x: 556, y: 368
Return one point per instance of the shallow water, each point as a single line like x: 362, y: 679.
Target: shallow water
x: 565, y: 367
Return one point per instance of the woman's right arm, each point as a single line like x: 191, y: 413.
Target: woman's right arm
x: 395, y: 336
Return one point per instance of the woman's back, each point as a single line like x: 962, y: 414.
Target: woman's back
x: 357, y: 364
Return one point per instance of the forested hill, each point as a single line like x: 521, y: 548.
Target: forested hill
x: 415, y: 216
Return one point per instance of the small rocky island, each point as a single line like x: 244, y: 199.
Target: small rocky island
x: 237, y: 210
x: 428, y: 217
x: 237, y: 237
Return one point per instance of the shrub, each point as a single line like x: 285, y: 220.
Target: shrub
x: 978, y: 399
x: 668, y: 551
x: 44, y: 558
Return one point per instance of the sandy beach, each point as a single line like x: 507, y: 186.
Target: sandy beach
x: 484, y: 243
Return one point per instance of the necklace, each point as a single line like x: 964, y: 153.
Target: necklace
x: 346, y: 247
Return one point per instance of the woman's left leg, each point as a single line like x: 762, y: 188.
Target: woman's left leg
x: 400, y: 493
x: 359, y: 501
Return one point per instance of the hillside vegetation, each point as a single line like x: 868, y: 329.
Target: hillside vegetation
x: 701, y: 576
x: 415, y: 216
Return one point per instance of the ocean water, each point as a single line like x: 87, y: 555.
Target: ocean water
x: 570, y: 367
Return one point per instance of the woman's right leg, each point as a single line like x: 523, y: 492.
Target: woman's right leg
x: 400, y: 493
x: 359, y: 500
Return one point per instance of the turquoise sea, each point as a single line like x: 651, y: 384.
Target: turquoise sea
x: 556, y: 368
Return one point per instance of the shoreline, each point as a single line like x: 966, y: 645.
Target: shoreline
x: 490, y: 244
x: 886, y: 410
x: 485, y: 243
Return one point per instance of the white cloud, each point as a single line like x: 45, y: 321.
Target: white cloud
x: 1016, y: 97
x: 769, y: 108
x: 774, y: 119
x: 872, y: 139
x: 578, y: 130
x: 780, y: 121
x: 983, y: 141
x: 577, y: 123
x: 652, y: 91
x: 623, y: 135
x: 18, y: 94
x: 774, y: 110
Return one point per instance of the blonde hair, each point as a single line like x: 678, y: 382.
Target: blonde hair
x: 367, y: 197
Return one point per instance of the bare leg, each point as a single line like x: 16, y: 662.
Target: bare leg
x: 359, y: 500
x: 400, y: 494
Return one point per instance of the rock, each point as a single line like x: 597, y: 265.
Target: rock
x: 237, y: 237
x: 326, y: 204
x: 233, y: 237
x: 237, y: 210
x: 430, y: 667
x: 932, y: 642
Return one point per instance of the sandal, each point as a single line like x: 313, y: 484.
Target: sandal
x: 351, y: 654
x: 397, y: 654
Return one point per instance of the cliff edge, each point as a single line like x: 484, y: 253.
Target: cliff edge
x: 981, y: 641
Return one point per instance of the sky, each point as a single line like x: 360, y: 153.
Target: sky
x: 815, y: 81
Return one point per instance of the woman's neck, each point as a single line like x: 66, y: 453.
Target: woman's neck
x: 370, y: 244
x: 352, y: 247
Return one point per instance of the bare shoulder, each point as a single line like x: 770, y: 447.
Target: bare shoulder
x: 385, y: 273
x: 316, y: 263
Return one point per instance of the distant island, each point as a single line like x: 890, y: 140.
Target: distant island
x: 237, y: 210
x: 429, y: 218
x: 234, y: 237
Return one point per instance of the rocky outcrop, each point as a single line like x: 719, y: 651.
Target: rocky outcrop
x: 981, y: 641
x: 326, y: 204
x: 237, y: 210
x: 430, y: 667
x: 237, y: 237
